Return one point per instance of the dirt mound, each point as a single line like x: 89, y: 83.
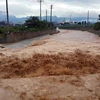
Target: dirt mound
x: 77, y: 63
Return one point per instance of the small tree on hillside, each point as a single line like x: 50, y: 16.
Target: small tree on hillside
x: 97, y: 26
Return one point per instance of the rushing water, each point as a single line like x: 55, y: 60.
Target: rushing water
x: 64, y: 35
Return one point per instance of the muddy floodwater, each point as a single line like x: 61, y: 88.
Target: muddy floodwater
x: 63, y: 66
x: 68, y: 36
x: 65, y: 41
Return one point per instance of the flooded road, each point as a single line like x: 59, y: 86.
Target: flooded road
x: 75, y: 35
x: 67, y: 41
x: 16, y: 59
x: 69, y: 36
x: 24, y: 43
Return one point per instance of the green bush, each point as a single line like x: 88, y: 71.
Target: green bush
x: 31, y: 24
x: 1, y: 32
x: 34, y: 22
x: 97, y: 26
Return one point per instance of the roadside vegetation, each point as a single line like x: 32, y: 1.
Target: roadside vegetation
x: 94, y: 28
x: 97, y: 26
x: 31, y: 24
x: 84, y: 26
x: 76, y: 26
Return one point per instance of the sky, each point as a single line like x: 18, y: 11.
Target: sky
x: 61, y: 8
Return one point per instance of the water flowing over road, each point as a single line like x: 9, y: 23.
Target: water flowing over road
x: 65, y: 41
x: 58, y: 86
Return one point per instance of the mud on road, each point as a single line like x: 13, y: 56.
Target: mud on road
x: 64, y: 66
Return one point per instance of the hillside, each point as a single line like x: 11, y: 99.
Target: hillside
x: 56, y: 19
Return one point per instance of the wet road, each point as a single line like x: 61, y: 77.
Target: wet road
x: 73, y: 36
x: 67, y: 41
x: 24, y: 43
x: 70, y: 87
x: 70, y: 36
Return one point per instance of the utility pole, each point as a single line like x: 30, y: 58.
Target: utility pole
x: 88, y: 17
x: 51, y: 14
x: 40, y: 6
x: 46, y: 14
x: 70, y: 18
x: 7, y: 15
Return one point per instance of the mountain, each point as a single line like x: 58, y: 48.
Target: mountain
x: 12, y: 18
x: 2, y: 16
x: 56, y: 19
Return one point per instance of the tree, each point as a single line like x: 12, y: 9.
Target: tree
x: 99, y: 18
x: 97, y: 26
x: 32, y: 22
x: 43, y: 24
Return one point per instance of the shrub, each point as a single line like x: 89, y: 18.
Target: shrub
x: 34, y: 22
x: 0, y: 32
x: 97, y: 26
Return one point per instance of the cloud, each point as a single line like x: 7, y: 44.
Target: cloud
x: 21, y: 8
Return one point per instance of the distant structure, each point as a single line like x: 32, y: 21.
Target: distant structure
x: 3, y: 23
x: 99, y: 18
x: 88, y: 17
x: 70, y: 19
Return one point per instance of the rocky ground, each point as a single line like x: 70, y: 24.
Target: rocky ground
x: 63, y: 66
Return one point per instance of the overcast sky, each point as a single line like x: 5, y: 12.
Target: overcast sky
x: 61, y: 8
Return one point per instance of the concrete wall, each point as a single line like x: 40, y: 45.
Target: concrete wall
x: 18, y: 36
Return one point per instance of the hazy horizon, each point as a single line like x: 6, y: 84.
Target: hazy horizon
x: 61, y: 8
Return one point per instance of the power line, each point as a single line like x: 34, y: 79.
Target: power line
x: 46, y: 5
